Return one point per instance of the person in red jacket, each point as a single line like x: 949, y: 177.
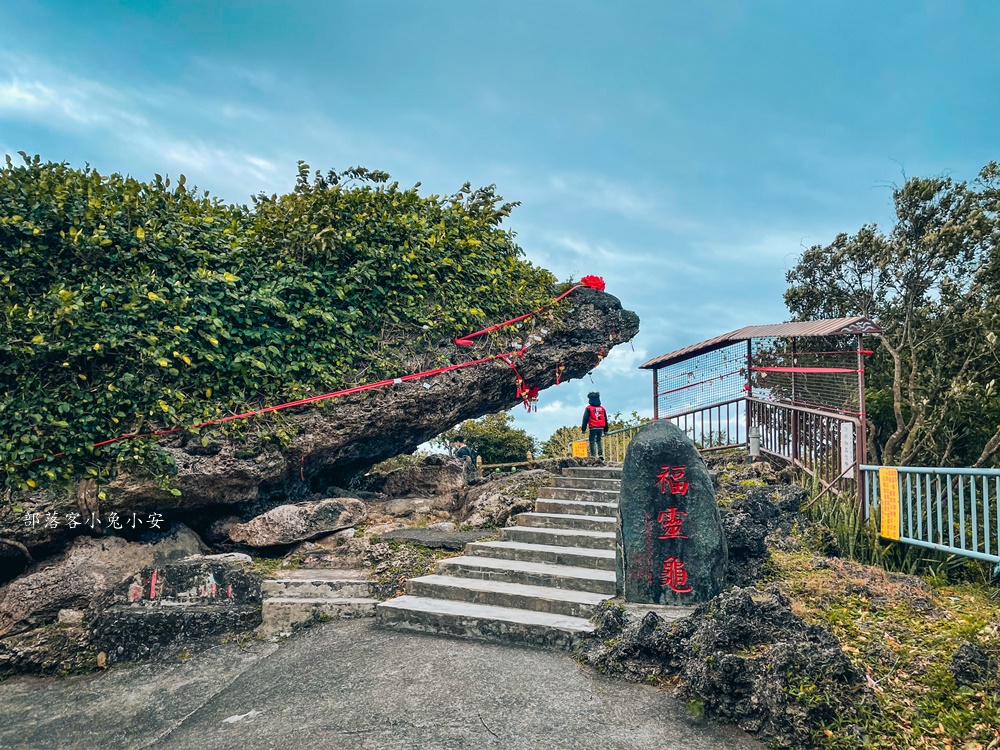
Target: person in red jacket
x: 595, y: 418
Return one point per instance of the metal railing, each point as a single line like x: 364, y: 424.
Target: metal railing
x: 951, y: 510
x: 824, y: 444
x: 714, y: 427
x: 616, y: 442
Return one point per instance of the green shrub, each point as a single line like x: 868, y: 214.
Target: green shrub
x: 128, y: 306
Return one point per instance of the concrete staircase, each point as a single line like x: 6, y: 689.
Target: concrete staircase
x: 539, y: 584
x: 298, y: 598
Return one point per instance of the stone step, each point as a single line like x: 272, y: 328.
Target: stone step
x: 503, y: 594
x: 317, y: 584
x: 483, y: 622
x: 576, y: 507
x: 560, y: 537
x: 530, y: 573
x: 582, y: 483
x: 594, y: 472
x: 580, y: 557
x: 133, y: 632
x: 587, y: 496
x: 285, y: 614
x: 565, y: 521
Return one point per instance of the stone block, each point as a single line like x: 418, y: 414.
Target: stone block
x: 672, y: 550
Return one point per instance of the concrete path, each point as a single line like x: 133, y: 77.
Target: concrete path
x: 350, y: 684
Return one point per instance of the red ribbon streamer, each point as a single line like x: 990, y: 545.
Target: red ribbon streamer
x: 463, y: 341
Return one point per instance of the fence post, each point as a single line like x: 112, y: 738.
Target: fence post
x: 861, y: 449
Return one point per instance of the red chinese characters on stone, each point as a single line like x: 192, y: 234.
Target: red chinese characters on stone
x: 672, y: 477
x: 674, y: 576
x: 671, y: 521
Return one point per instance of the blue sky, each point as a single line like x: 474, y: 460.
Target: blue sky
x: 683, y: 151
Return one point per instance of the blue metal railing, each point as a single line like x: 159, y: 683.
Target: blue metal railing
x: 951, y: 510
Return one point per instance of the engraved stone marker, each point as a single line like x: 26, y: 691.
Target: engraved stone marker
x: 671, y: 549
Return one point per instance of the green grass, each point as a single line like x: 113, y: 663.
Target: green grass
x: 902, y: 633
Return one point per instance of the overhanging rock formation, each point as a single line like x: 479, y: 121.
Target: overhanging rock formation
x: 345, y: 436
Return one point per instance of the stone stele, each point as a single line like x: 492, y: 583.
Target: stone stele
x: 671, y: 549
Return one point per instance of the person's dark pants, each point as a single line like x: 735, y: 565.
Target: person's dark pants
x: 596, y: 442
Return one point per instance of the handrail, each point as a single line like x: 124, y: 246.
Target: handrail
x: 847, y: 416
x: 695, y: 410
x: 952, y: 510
x: 935, y: 470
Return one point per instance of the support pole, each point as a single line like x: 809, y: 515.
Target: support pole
x: 861, y: 449
x: 795, y: 414
x: 746, y: 430
x: 656, y: 398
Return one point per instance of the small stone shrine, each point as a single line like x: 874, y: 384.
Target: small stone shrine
x: 671, y: 548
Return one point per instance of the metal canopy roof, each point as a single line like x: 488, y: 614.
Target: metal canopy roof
x: 828, y: 327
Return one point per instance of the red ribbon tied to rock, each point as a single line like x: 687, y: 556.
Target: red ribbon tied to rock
x: 594, y: 282
x: 528, y: 393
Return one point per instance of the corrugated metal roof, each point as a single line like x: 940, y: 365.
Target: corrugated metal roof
x: 828, y: 327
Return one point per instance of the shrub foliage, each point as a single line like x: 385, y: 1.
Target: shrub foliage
x: 130, y: 306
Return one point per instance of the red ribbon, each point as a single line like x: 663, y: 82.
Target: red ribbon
x: 532, y: 392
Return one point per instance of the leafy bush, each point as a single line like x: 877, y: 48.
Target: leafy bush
x: 128, y: 306
x: 493, y: 437
x: 559, y: 443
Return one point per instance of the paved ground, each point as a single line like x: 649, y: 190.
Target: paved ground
x: 352, y: 685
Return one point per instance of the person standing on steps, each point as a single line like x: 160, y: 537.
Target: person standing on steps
x: 468, y: 457
x: 595, y: 418
x: 462, y: 450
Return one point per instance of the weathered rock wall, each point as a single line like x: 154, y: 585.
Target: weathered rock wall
x: 338, y: 440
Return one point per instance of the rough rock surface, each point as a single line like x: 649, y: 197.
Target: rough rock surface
x: 90, y: 568
x: 763, y: 518
x: 409, y: 506
x: 329, y: 446
x: 737, y: 657
x: 287, y: 524
x: 52, y: 649
x: 501, y: 496
x: 436, y: 475
x: 970, y: 665
x: 671, y: 549
x: 139, y: 633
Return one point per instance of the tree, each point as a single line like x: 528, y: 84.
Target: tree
x: 932, y: 282
x: 558, y: 443
x: 493, y: 437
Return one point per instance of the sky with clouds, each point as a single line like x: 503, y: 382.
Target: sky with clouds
x: 686, y: 152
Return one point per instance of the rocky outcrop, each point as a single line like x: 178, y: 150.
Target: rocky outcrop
x: 743, y: 657
x: 328, y: 446
x: 89, y: 570
x: 763, y: 517
x: 189, y: 604
x: 970, y: 665
x: 287, y: 524
x: 436, y: 475
x: 53, y: 649
x: 501, y: 497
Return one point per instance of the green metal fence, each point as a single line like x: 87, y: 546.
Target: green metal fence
x: 952, y: 510
x: 616, y: 442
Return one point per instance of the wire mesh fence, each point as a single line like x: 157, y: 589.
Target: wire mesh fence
x: 817, y: 373
x: 711, y: 378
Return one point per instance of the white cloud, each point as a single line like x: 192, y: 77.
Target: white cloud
x: 623, y: 361
x: 135, y: 120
